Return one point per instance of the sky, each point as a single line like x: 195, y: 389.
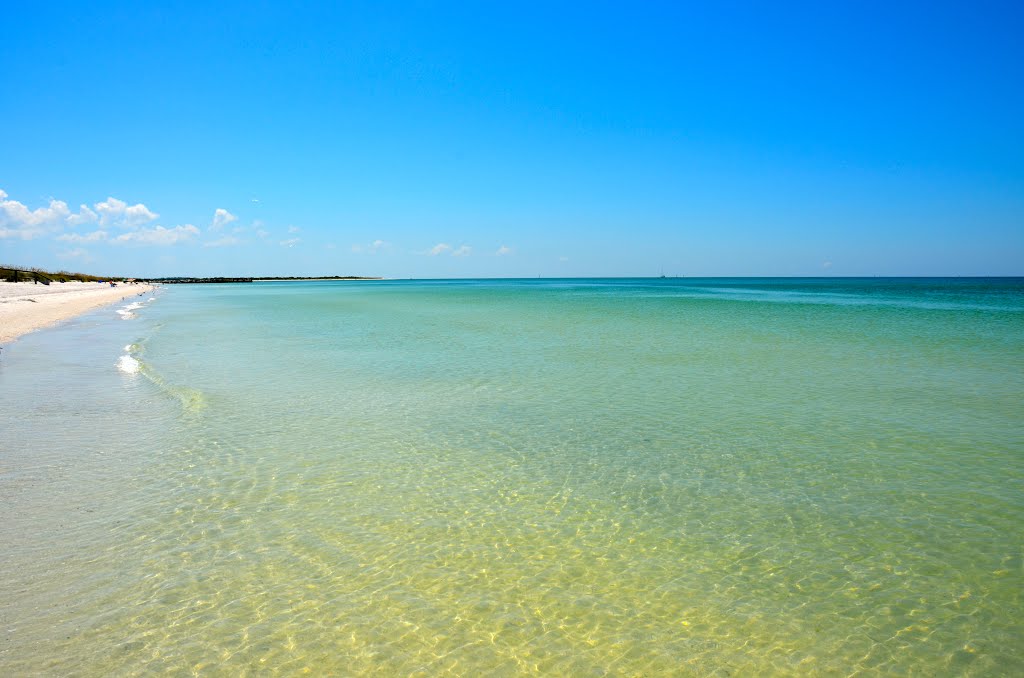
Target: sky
x: 435, y: 140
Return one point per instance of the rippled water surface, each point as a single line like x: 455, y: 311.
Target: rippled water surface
x: 583, y: 477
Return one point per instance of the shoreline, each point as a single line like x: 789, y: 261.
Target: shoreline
x: 26, y: 307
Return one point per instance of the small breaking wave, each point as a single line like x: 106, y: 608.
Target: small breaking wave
x: 128, y: 364
x: 192, y: 400
x: 128, y: 312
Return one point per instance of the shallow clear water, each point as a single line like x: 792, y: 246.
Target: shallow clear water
x: 584, y: 477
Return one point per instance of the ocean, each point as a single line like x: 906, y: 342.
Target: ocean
x: 635, y: 477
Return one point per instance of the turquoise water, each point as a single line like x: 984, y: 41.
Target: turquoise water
x: 558, y: 477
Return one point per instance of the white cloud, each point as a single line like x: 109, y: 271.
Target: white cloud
x: 826, y: 264
x: 294, y: 229
x: 84, y: 216
x: 262, y: 233
x: 18, y: 221
x: 95, y: 236
x: 119, y: 213
x: 226, y: 241
x: 504, y: 250
x: 563, y: 258
x: 443, y: 247
x: 291, y: 242
x: 221, y: 218
x: 372, y: 248
x: 16, y: 215
x: 158, y: 235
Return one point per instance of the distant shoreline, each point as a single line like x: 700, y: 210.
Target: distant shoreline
x: 332, y: 277
x: 222, y: 280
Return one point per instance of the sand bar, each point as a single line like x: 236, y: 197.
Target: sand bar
x: 25, y: 307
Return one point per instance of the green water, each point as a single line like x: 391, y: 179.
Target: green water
x: 607, y: 477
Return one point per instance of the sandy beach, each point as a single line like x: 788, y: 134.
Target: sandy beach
x: 25, y: 307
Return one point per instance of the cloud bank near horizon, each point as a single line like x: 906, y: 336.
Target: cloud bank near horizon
x: 104, y: 229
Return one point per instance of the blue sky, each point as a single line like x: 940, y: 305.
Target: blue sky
x: 513, y: 139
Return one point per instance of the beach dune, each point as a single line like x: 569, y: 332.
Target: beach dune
x: 25, y: 307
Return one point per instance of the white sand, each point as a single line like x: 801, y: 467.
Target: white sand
x: 27, y: 306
